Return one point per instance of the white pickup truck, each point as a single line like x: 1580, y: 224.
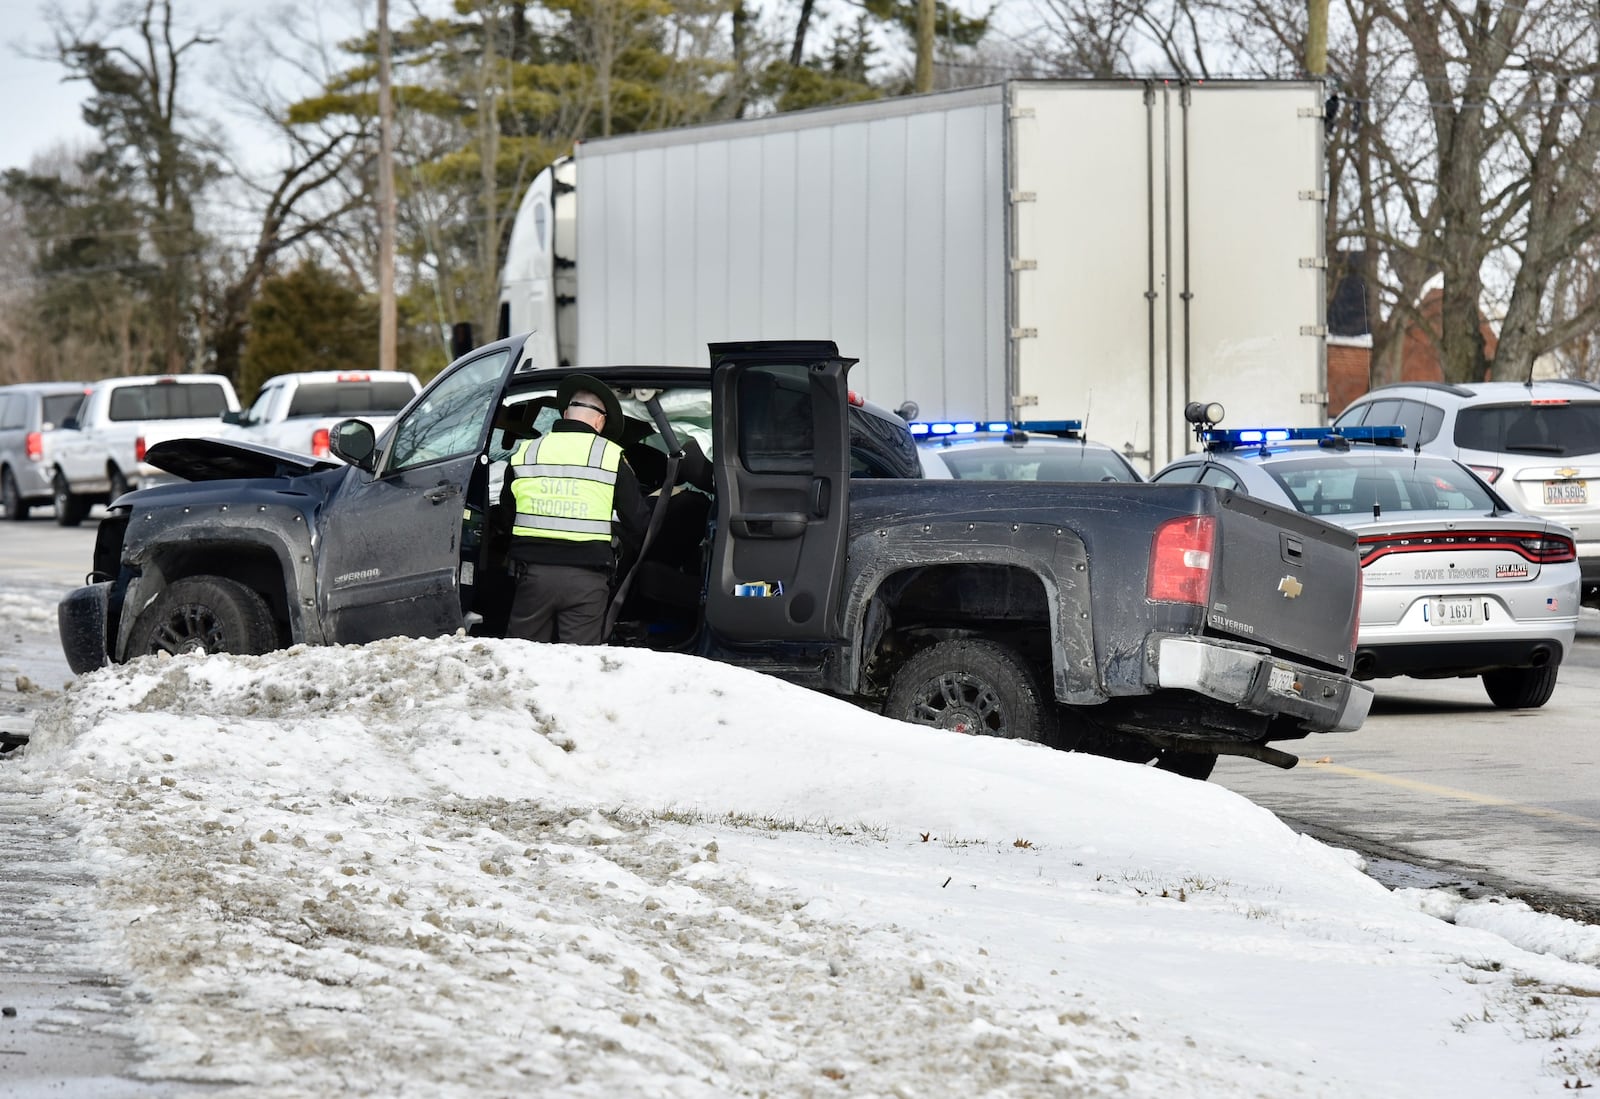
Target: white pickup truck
x: 293, y: 412
x: 99, y: 454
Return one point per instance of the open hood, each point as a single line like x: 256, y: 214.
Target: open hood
x: 224, y: 459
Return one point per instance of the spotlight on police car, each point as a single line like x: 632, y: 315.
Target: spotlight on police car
x: 1202, y: 414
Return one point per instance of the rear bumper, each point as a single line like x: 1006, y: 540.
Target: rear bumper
x: 1439, y: 660
x: 1254, y: 680
x: 83, y: 616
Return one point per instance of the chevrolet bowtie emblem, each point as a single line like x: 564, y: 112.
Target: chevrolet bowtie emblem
x: 1290, y: 587
x: 1566, y: 471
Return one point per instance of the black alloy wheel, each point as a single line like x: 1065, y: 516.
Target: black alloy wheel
x: 977, y: 687
x: 205, y: 614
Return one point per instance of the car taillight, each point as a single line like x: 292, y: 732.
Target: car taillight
x: 35, y: 446
x: 1180, y: 560
x: 138, y: 449
x: 1544, y: 549
x: 1488, y: 473
x: 319, y: 442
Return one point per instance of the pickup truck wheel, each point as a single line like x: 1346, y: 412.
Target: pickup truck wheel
x: 976, y: 687
x: 70, y: 507
x: 11, y: 496
x: 205, y: 614
x: 1195, y: 765
x: 119, y: 485
x: 1521, y: 688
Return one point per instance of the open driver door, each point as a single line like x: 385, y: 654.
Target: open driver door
x: 781, y: 445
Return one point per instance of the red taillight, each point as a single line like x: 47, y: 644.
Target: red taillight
x: 1180, y: 560
x: 1488, y: 473
x: 856, y: 400
x: 319, y: 442
x: 1544, y: 549
x: 353, y: 378
x: 138, y: 449
x: 35, y: 445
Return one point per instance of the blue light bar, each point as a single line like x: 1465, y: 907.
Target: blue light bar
x: 1266, y: 436
x: 923, y: 428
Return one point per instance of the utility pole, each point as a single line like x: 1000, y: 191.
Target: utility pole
x: 388, y: 322
x: 1317, y: 38
x: 923, y: 81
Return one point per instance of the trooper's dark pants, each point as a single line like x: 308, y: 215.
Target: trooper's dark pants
x: 560, y: 603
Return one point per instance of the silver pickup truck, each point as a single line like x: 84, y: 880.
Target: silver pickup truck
x: 98, y: 455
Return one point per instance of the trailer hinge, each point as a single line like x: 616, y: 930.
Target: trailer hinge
x: 1023, y: 196
x: 1313, y: 261
x: 1313, y: 398
x: 1313, y: 330
x: 1024, y: 265
x: 1314, y: 196
x: 1024, y: 333
x: 1311, y: 112
x: 1026, y: 400
x: 1021, y: 112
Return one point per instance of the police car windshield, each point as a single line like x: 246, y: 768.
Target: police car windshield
x: 1335, y: 485
x: 1001, y: 462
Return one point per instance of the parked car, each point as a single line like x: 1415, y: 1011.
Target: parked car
x: 1455, y: 582
x: 1537, y: 443
x: 29, y: 415
x: 99, y: 454
x: 294, y: 412
x: 809, y: 547
x: 1051, y: 451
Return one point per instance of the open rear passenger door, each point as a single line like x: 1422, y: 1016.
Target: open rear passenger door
x: 782, y: 462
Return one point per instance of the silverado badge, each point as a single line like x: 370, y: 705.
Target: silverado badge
x: 1290, y: 587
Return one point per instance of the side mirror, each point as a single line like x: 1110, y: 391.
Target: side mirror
x: 231, y: 417
x: 353, y: 442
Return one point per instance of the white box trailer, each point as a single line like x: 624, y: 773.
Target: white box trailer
x: 1038, y: 250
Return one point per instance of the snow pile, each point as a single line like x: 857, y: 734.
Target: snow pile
x: 457, y: 867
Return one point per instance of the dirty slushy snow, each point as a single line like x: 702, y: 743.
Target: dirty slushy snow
x: 463, y: 867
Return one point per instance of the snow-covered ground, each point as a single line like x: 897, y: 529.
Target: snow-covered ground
x: 464, y: 868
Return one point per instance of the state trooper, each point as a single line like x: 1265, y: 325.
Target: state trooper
x: 574, y: 497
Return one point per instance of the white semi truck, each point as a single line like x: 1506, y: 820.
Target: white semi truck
x: 1035, y: 250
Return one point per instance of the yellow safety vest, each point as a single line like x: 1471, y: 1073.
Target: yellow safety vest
x: 566, y: 491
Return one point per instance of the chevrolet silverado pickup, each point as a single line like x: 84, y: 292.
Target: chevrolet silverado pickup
x: 793, y: 534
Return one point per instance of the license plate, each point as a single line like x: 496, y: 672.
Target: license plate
x: 1566, y: 492
x: 1456, y: 612
x: 1282, y: 682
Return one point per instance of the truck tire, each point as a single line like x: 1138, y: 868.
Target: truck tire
x: 1521, y: 688
x: 11, y: 496
x: 70, y: 507
x: 1195, y: 765
x: 977, y: 687
x: 205, y: 614
x: 119, y: 485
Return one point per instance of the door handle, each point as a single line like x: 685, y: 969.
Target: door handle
x: 441, y: 492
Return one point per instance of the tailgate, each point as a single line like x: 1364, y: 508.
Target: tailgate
x: 1285, y: 580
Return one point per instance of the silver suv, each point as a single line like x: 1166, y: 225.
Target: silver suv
x: 29, y: 412
x: 1537, y: 443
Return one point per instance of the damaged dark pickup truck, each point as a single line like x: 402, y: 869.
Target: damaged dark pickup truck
x: 792, y: 535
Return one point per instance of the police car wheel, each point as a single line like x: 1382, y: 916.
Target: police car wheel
x: 205, y: 614
x: 981, y: 688
x: 1521, y: 688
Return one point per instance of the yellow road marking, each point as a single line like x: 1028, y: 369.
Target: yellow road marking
x: 1461, y: 795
